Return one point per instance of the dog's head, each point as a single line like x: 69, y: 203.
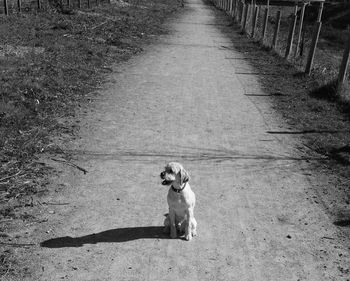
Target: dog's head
x: 175, y: 174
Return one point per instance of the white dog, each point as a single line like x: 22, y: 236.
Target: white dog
x: 181, y: 201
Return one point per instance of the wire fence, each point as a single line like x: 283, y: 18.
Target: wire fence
x: 280, y: 25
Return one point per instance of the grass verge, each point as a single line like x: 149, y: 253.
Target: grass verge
x: 50, y: 62
x: 318, y: 120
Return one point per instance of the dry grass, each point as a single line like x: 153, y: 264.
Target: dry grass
x: 50, y: 62
x: 310, y: 108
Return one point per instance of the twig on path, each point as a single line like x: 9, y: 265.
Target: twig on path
x: 92, y: 28
x: 54, y: 203
x: 307, y: 132
x: 17, y: 244
x: 6, y: 178
x: 7, y: 220
x: 330, y: 238
x: 70, y: 164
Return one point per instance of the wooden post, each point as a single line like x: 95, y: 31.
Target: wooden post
x: 68, y: 3
x: 301, y: 22
x: 291, y: 33
x: 320, y: 10
x: 235, y: 13
x: 79, y: 4
x: 245, y: 17
x: 266, y: 19
x: 343, y: 66
x: 312, y: 51
x: 241, y: 13
x: 19, y: 5
x: 255, y: 20
x: 231, y: 8
x: 39, y: 4
x: 6, y: 8
x: 277, y: 29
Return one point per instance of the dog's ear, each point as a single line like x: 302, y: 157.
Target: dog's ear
x: 185, y: 177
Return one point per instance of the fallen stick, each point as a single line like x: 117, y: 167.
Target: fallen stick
x: 10, y: 176
x: 70, y: 164
x: 17, y: 244
x: 54, y: 203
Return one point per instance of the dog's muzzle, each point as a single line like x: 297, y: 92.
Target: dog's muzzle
x: 165, y: 180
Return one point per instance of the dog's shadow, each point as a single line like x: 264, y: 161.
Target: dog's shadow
x: 117, y: 235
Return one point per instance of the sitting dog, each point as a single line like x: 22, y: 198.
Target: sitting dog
x: 181, y: 201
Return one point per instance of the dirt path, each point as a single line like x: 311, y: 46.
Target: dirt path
x: 187, y: 99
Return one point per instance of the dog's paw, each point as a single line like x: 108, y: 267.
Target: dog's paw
x: 188, y: 237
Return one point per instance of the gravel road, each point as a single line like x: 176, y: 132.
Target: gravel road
x: 189, y: 98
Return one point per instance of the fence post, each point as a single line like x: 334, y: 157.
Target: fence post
x: 241, y: 13
x: 277, y: 29
x: 291, y: 32
x: 79, y: 4
x: 245, y: 17
x: 317, y: 30
x: 266, y: 19
x: 343, y: 66
x: 255, y: 20
x: 6, y: 9
x: 19, y: 5
x: 301, y: 22
x: 39, y: 4
x: 236, y: 10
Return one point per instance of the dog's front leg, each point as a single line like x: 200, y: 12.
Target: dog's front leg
x: 173, y: 233
x: 188, y: 229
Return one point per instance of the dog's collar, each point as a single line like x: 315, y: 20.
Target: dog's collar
x: 178, y: 190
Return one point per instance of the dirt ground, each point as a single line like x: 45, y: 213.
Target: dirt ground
x: 197, y: 96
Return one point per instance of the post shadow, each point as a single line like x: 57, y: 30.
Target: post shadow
x: 117, y: 235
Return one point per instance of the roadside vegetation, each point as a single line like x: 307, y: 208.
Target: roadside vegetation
x: 316, y: 117
x: 51, y: 62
